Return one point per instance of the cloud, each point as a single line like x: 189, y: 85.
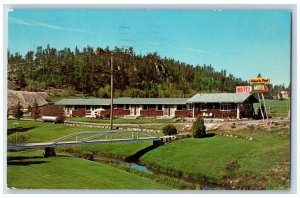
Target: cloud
x: 45, y: 25
x: 19, y: 21
x: 48, y: 25
x: 195, y: 50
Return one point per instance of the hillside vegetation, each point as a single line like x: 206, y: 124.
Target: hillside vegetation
x: 88, y: 71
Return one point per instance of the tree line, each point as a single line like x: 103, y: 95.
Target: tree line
x: 88, y: 71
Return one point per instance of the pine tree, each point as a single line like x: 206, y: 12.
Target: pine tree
x: 35, y: 112
x: 17, y: 111
x: 198, y: 128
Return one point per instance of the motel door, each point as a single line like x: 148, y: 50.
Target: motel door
x: 168, y: 110
x: 135, y: 110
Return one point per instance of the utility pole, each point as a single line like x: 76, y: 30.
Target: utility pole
x: 111, y: 91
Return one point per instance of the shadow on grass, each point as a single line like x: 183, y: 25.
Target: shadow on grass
x: 10, y: 158
x: 19, y: 129
x: 208, y: 135
x: 24, y: 163
x: 135, y: 157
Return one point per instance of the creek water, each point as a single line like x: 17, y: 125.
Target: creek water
x: 137, y: 166
x: 118, y: 161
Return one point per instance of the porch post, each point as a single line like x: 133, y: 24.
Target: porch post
x: 237, y: 111
x: 193, y: 110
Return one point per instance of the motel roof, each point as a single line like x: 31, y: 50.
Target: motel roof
x: 150, y: 100
x: 222, y: 98
x: 84, y: 101
x: 105, y: 101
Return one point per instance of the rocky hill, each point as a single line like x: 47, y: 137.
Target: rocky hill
x: 26, y: 98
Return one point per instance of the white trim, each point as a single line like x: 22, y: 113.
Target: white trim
x: 193, y: 110
x: 237, y: 111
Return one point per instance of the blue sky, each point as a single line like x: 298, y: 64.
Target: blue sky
x: 242, y: 42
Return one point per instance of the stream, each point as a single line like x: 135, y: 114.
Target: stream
x: 140, y: 167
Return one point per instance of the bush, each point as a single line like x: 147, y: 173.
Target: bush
x: 88, y: 156
x: 198, y: 128
x: 70, y: 91
x: 169, y: 130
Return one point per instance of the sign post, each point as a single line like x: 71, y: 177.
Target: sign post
x: 260, y: 86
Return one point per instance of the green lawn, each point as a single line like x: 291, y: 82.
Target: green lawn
x: 208, y: 157
x: 122, y: 120
x: 43, y: 132
x: 262, y: 162
x: 277, y: 108
x: 28, y: 170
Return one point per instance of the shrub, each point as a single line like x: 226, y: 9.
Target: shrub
x: 198, y: 128
x: 70, y: 91
x: 233, y: 125
x: 169, y: 130
x: 88, y: 156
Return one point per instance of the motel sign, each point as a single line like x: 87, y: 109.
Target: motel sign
x: 243, y: 89
x: 259, y: 85
x: 259, y: 80
x: 259, y: 88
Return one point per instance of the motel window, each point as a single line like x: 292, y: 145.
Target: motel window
x: 203, y: 107
x: 179, y: 107
x: 225, y: 107
x: 189, y: 106
x: 145, y: 107
x: 159, y: 107
x: 126, y: 107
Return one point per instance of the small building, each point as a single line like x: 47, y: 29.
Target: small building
x: 83, y: 106
x: 220, y: 105
x: 146, y: 107
x: 282, y: 95
x: 150, y: 107
x: 223, y: 105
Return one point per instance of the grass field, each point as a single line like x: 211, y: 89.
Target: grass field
x: 277, y: 108
x: 121, y: 120
x: 27, y: 169
x: 43, y: 132
x: 260, y: 163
